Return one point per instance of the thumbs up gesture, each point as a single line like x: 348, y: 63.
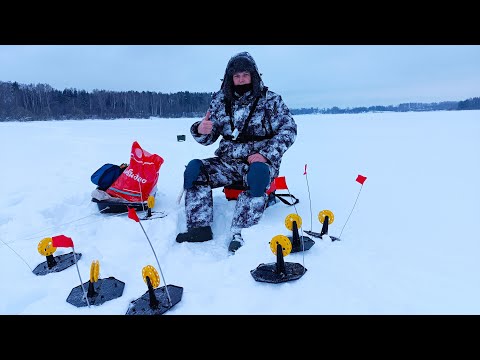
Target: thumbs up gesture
x: 206, y: 125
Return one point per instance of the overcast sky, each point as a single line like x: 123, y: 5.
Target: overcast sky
x: 305, y: 75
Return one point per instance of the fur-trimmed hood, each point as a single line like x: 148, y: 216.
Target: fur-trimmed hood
x: 242, y: 61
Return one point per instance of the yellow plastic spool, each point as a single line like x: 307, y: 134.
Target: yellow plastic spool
x: 152, y: 273
x: 151, y: 202
x: 284, y: 242
x: 290, y: 219
x: 94, y: 271
x: 45, y: 247
x: 323, y: 213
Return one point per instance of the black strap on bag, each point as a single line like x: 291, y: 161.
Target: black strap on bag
x: 281, y: 198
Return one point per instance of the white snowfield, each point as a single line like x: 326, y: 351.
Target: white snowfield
x: 409, y: 245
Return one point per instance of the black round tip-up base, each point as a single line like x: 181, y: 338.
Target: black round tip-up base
x: 268, y: 272
x: 98, y: 292
x: 142, y: 306
x: 320, y: 236
x: 297, y: 245
x: 62, y: 262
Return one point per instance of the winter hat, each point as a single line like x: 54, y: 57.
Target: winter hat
x: 241, y: 62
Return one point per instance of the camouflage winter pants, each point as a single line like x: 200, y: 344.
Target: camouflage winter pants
x: 218, y: 173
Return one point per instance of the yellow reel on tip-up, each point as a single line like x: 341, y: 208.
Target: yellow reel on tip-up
x: 151, y: 202
x: 322, y: 214
x: 45, y: 247
x: 284, y: 242
x: 152, y: 274
x: 94, y: 271
x: 290, y: 219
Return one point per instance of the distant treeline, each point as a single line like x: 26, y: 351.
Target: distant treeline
x: 42, y: 102
x: 469, y: 104
x: 19, y: 102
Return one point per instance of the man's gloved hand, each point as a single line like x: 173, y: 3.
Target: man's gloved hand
x: 206, y: 125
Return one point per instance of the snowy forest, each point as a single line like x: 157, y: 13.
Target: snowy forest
x: 20, y: 102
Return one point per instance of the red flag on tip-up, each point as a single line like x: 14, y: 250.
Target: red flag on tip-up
x: 305, y: 171
x: 132, y: 214
x: 280, y: 183
x: 361, y: 179
x: 62, y: 241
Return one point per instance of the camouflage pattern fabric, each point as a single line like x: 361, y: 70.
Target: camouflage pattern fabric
x: 271, y: 119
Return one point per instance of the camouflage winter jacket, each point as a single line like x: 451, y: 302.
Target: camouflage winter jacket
x: 270, y: 132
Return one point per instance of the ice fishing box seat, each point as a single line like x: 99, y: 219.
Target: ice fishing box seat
x: 233, y: 190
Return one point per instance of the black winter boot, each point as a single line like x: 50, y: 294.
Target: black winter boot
x: 199, y: 234
x: 236, y: 243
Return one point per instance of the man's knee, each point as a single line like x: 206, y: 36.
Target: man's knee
x: 258, y: 178
x: 191, y: 173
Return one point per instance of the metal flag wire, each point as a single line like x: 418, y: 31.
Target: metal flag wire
x: 140, y: 187
x: 65, y: 241
x: 85, y: 296
x: 361, y: 179
x: 309, y: 198
x: 141, y: 195
x: 159, y: 267
x: 133, y: 215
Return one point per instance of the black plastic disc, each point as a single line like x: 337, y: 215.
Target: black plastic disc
x: 141, y: 306
x: 63, y: 261
x: 307, y: 244
x: 104, y: 290
x: 268, y: 272
x: 317, y: 235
